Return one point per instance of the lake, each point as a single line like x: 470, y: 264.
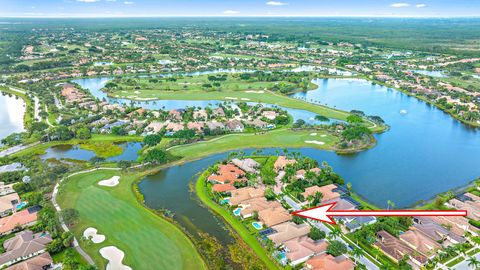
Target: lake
x: 66, y: 151
x: 12, y: 110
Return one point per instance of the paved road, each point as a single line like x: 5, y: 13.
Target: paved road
x: 16, y: 148
x: 320, y: 225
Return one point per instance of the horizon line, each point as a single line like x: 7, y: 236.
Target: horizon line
x: 236, y: 16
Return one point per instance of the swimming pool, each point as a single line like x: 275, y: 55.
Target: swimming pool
x: 236, y: 212
x: 257, y: 225
x: 224, y: 201
x: 282, y: 258
x: 20, y: 205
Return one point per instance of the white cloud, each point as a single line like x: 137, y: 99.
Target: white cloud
x: 420, y: 5
x: 129, y: 3
x: 88, y: 1
x: 399, y: 5
x: 230, y: 12
x: 111, y: 0
x: 275, y: 3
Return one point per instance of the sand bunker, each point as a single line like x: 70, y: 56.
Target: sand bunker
x: 315, y: 142
x: 255, y: 92
x: 234, y: 98
x: 324, y: 135
x: 245, y: 99
x: 137, y: 92
x: 110, y: 182
x: 313, y: 134
x: 91, y: 233
x: 114, y: 257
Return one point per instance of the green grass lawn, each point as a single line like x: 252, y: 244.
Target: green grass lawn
x: 147, y: 239
x: 237, y: 225
x: 277, y: 138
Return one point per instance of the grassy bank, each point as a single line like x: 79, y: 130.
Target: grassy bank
x: 248, y: 237
x: 147, y: 239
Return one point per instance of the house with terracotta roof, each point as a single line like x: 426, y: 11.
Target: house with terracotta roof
x: 287, y: 231
x: 175, y: 115
x: 223, y: 188
x: 243, y: 194
x: 282, y: 162
x: 256, y: 205
x: 300, y: 249
x: 154, y: 127
x: 197, y: 126
x: 472, y: 208
x: 200, y: 115
x: 457, y: 225
x: 22, y: 219
x: 434, y: 230
x: 420, y: 242
x: 8, y: 204
x: 328, y: 262
x: 40, y: 262
x: 274, y: 215
x: 227, y: 174
x: 396, y: 249
x: 235, y: 125
x: 174, y: 127
x: 329, y: 192
x: 23, y: 246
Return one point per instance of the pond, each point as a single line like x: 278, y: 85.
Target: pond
x: 66, y: 151
x: 12, y: 110
x: 432, y: 73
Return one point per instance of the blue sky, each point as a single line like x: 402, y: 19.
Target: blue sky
x: 163, y: 8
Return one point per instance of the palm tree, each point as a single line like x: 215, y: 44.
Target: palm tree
x: 473, y: 262
x: 356, y: 253
x: 390, y: 203
x: 334, y: 233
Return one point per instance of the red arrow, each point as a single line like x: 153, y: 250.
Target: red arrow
x: 324, y: 213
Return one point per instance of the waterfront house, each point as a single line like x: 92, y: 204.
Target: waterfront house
x: 251, y: 206
x: 273, y: 216
x: 223, y: 188
x: 249, y: 165
x: 302, y: 248
x: 271, y: 115
x: 287, y: 231
x: 396, y: 249
x: 282, y: 162
x: 472, y: 208
x: 200, y: 115
x: 457, y: 225
x: 243, y: 194
x: 218, y: 112
x: 330, y: 192
x: 215, y: 125
x: 40, y: 262
x: 23, y: 246
x: 235, y: 125
x: 176, y: 114
x: 8, y: 204
x: 434, y: 230
x: 20, y: 219
x: 328, y: 262
x: 420, y: 242
x: 227, y: 174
